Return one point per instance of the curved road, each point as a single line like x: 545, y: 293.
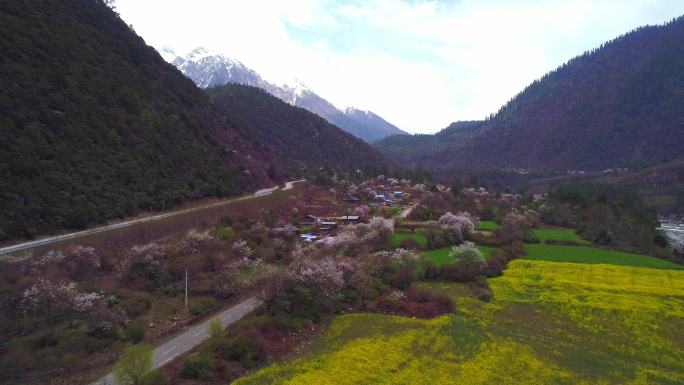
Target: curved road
x: 408, y: 211
x: 45, y: 241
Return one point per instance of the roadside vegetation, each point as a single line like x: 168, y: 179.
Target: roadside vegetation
x: 68, y: 313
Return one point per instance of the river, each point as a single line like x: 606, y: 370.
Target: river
x: 674, y: 231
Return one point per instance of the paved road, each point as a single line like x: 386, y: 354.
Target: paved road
x: 192, y: 337
x: 57, y: 238
x: 407, y: 212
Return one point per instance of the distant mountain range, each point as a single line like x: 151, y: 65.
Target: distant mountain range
x: 209, y: 69
x: 617, y: 106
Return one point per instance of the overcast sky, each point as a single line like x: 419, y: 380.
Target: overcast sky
x: 418, y: 64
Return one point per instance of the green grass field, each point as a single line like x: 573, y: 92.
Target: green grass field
x: 488, y: 225
x: 420, y: 238
x: 441, y: 256
x: 583, y: 254
x: 558, y: 235
x: 549, y: 323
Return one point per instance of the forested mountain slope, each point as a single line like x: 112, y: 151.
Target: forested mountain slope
x: 96, y: 125
x: 420, y: 149
x: 300, y: 139
x: 619, y: 105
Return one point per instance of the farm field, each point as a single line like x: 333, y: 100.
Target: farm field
x: 558, y: 235
x: 441, y: 256
x: 488, y: 225
x: 549, y: 323
x: 420, y: 238
x: 583, y: 254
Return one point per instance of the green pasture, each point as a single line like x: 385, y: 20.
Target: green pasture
x: 488, y: 225
x: 584, y: 254
x: 441, y: 256
x: 558, y: 235
x: 420, y: 238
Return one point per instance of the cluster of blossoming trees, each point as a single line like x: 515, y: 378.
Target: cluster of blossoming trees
x: 356, y: 269
x: 54, y: 293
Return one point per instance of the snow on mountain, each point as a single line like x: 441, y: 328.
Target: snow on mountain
x: 200, y: 53
x: 298, y: 88
x: 292, y: 93
x: 354, y: 110
x: 168, y: 54
x: 209, y: 69
x: 379, y: 125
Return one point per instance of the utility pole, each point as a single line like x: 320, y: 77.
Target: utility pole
x: 186, y: 290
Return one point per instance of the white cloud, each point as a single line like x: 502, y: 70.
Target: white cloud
x: 419, y: 64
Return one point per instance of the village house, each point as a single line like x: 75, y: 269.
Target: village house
x: 350, y: 218
x: 284, y: 231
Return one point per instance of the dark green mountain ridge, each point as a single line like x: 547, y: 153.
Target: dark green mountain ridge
x: 299, y: 139
x: 96, y: 125
x: 619, y: 105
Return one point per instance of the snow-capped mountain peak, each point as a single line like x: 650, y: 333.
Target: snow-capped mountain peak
x: 200, y: 53
x: 354, y: 110
x: 168, y: 54
x: 297, y: 88
x: 213, y: 58
x: 208, y: 68
x: 380, y: 126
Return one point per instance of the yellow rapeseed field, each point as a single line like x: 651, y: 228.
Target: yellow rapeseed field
x: 633, y: 309
x: 550, y: 323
